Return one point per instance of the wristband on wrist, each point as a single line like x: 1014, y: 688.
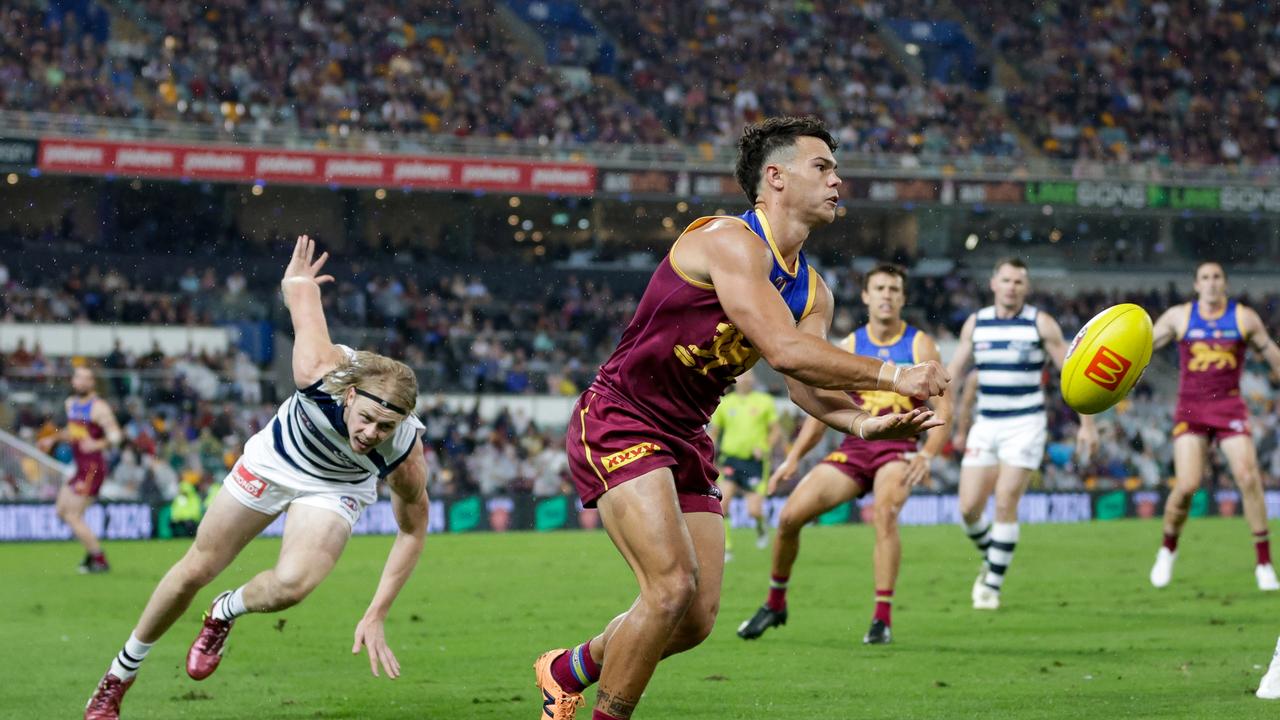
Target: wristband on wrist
x: 881, y: 380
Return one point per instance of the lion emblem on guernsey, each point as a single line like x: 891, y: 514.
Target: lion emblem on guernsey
x: 879, y: 402
x: 728, y: 349
x: 1205, y: 355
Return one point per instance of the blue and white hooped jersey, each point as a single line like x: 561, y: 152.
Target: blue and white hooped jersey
x: 1009, y: 355
x: 307, y: 442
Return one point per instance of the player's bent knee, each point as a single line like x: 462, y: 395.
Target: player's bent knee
x: 697, y: 626
x: 673, y: 594
x: 886, y: 521
x: 790, y: 522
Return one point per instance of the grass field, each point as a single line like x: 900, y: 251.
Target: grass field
x: 1082, y: 634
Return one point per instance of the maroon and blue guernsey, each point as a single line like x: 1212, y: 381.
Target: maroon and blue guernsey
x: 651, y: 401
x: 1211, y: 360
x: 91, y: 467
x: 862, y: 459
x: 680, y: 352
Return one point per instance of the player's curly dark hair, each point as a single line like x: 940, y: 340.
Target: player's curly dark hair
x: 760, y: 140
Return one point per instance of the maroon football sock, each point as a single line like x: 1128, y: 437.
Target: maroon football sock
x: 777, y: 600
x: 1171, y: 542
x: 1262, y: 545
x: 575, y: 669
x: 884, y: 606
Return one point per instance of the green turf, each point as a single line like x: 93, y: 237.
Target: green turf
x: 1082, y: 634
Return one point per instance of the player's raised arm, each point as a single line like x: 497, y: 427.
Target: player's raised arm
x: 1168, y: 325
x: 314, y: 354
x: 739, y: 270
x: 408, y: 485
x: 1260, y: 341
x: 1056, y: 347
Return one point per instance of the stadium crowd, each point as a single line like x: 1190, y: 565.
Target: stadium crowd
x: 684, y: 73
x: 1098, y: 80
x: 708, y: 70
x: 1173, y: 80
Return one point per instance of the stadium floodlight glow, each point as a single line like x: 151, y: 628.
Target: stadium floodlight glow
x: 513, y: 201
x: 584, y: 224
x: 526, y: 225
x: 12, y: 179
x: 519, y: 236
x: 256, y: 190
x: 537, y: 236
x: 912, y: 49
x: 668, y: 223
x: 682, y: 206
x: 513, y: 220
x: 971, y: 242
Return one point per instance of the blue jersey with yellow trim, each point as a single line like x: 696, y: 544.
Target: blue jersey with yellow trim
x: 1210, y: 356
x: 793, y: 286
x: 900, y: 350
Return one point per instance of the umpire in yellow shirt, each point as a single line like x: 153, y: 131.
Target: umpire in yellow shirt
x: 745, y: 430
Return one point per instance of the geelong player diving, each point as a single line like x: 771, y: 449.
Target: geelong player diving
x: 887, y: 468
x: 91, y: 429
x: 349, y: 424
x: 731, y: 290
x: 1008, y: 343
x: 1212, y: 333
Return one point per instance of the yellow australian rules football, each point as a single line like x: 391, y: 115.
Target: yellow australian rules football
x: 1106, y: 358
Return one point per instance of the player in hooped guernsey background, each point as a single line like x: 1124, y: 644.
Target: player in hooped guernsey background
x: 1212, y: 333
x: 349, y: 424
x: 889, y: 468
x: 1008, y: 343
x: 91, y: 429
x: 732, y: 290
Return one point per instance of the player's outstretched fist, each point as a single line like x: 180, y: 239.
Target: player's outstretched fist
x: 899, y: 425
x: 923, y: 381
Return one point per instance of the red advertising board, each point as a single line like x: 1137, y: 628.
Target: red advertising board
x: 236, y: 164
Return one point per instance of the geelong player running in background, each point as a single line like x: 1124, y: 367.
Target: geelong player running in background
x: 1212, y: 335
x: 888, y: 468
x: 349, y: 424
x: 1008, y: 342
x: 91, y: 429
x: 730, y: 291
x: 745, y: 430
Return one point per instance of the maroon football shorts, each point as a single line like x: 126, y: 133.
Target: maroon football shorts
x: 609, y: 443
x: 862, y: 459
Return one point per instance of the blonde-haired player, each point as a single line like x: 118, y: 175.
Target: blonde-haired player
x: 349, y: 424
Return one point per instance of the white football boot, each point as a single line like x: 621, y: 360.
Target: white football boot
x: 984, y: 598
x: 1266, y: 576
x: 1162, y: 571
x: 1269, y: 688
